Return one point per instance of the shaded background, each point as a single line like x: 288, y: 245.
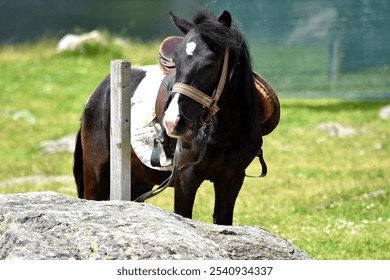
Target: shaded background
x: 328, y: 184
x: 328, y: 38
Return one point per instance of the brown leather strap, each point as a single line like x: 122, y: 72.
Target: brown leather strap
x: 202, y: 98
x: 176, y: 171
x: 263, y: 165
x: 193, y: 93
x: 221, y: 84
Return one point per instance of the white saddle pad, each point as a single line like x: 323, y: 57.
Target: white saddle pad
x: 143, y: 129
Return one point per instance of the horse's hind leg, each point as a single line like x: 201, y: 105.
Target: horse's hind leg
x: 96, y: 162
x: 226, y: 192
x: 96, y: 177
x: 139, y: 187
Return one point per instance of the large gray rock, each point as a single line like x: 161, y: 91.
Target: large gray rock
x: 48, y: 225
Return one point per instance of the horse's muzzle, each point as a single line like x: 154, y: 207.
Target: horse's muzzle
x: 170, y: 126
x: 180, y: 128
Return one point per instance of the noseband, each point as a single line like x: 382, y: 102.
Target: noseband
x: 206, y: 101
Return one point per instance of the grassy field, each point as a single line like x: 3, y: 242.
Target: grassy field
x: 328, y: 195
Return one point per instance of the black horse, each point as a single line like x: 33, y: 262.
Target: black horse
x: 213, y: 112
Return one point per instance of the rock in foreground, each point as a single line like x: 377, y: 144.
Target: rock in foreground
x: 48, y: 225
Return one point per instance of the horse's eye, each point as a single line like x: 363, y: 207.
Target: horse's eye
x: 209, y: 65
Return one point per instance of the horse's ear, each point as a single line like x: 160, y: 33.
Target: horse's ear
x: 181, y: 23
x: 225, y: 19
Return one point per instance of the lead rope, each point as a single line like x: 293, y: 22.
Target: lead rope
x: 175, y: 170
x: 167, y: 181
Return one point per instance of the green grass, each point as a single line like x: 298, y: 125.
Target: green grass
x: 42, y: 97
x: 328, y: 195
x: 317, y: 192
x: 304, y: 72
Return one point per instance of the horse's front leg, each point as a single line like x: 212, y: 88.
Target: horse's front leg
x: 226, y: 188
x: 186, y: 187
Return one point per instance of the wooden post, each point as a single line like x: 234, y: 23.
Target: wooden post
x: 120, y: 153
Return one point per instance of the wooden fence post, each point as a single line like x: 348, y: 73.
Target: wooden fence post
x: 120, y: 153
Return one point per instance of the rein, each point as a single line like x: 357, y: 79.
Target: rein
x: 176, y: 171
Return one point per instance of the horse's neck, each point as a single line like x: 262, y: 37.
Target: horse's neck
x: 241, y: 93
x: 237, y: 113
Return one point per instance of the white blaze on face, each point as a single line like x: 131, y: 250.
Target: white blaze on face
x: 171, y: 115
x: 191, y: 46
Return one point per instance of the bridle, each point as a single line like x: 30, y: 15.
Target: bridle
x: 207, y: 102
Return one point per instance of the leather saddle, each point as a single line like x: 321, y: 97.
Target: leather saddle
x: 165, y: 55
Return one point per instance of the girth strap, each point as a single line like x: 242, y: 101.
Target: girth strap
x: 262, y: 163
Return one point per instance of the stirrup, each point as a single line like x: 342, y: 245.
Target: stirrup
x: 162, y: 154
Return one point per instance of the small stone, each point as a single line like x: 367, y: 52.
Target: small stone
x: 384, y: 113
x: 336, y: 130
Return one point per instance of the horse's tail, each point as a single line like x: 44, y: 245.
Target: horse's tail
x: 78, y: 166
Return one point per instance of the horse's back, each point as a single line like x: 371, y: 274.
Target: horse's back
x: 95, y: 121
x: 92, y: 151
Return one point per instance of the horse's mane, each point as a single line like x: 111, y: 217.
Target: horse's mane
x: 218, y: 37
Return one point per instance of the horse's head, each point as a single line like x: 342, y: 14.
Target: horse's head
x: 199, y: 67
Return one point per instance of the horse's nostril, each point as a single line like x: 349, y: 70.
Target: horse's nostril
x: 182, y: 122
x: 176, y: 121
x: 170, y: 124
